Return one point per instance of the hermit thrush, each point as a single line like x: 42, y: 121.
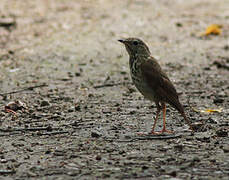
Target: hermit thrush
x: 151, y: 81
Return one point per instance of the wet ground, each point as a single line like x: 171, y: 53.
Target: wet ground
x: 81, y: 114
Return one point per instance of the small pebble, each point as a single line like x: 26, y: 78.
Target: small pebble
x: 95, y: 134
x: 45, y: 103
x: 226, y: 149
x: 222, y: 133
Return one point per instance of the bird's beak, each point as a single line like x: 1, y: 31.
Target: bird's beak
x: 122, y: 40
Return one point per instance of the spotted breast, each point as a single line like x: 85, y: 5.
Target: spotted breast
x: 137, y: 78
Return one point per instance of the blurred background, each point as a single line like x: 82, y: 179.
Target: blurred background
x: 83, y: 30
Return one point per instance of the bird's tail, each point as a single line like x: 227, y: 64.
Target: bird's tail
x: 177, y: 105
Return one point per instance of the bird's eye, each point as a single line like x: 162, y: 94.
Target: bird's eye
x: 135, y: 43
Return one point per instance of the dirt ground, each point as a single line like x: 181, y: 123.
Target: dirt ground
x: 81, y: 113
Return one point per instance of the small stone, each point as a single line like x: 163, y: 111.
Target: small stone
x: 67, y: 99
x: 207, y: 68
x: 211, y: 120
x: 226, y: 47
x: 65, y: 79
x: 132, y: 112
x: 95, y: 134
x: 105, y: 175
x: 7, y: 22
x: 119, y: 109
x: 123, y: 72
x: 204, y: 137
x: 226, y: 149
x: 11, y: 52
x: 122, y: 152
x: 218, y: 100
x: 222, y: 94
x: 71, y: 109
x: 90, y: 95
x: 172, y: 173
x: 31, y: 111
x: 222, y: 133
x: 45, y: 103
x: 196, y: 159
x: 77, y: 107
x: 179, y: 147
x: 48, y: 151
x: 197, y: 126
x: 98, y: 157
x: 178, y: 24
x: 145, y: 167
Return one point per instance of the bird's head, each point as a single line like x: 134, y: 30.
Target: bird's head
x: 135, y: 46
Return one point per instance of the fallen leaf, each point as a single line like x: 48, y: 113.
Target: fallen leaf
x: 208, y: 110
x: 213, y: 110
x: 214, y: 29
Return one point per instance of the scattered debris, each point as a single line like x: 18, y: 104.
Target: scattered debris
x: 14, y: 106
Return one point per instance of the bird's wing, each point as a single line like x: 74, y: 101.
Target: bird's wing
x: 160, y: 82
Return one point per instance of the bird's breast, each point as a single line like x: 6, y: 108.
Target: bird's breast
x: 139, y: 81
x: 141, y: 84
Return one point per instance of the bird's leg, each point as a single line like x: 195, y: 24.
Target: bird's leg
x: 164, y: 120
x: 155, y: 121
x: 156, y: 118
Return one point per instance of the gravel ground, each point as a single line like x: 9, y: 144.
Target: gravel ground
x: 77, y: 112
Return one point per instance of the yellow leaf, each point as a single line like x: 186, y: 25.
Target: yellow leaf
x: 213, y: 110
x: 214, y: 29
x: 208, y: 110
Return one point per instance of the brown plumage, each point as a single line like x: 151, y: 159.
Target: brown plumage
x: 151, y: 81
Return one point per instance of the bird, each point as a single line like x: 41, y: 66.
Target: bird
x: 152, y: 82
